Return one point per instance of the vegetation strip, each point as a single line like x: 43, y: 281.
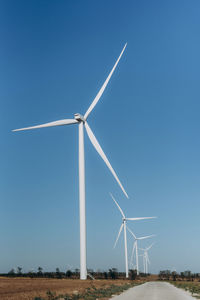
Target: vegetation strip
x: 185, y: 280
x: 91, y: 293
x: 192, y: 287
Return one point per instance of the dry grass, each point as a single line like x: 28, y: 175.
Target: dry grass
x: 191, y: 286
x: 29, y: 288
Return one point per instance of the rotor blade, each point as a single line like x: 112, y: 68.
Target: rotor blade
x: 120, y: 230
x: 147, y: 249
x: 146, y: 237
x: 98, y: 96
x: 137, y: 219
x: 132, y: 253
x: 102, y: 154
x: 118, y: 206
x: 51, y: 124
x: 131, y: 232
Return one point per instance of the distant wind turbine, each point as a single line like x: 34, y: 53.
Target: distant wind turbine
x: 81, y: 121
x: 146, y: 260
x: 124, y: 220
x: 135, y: 247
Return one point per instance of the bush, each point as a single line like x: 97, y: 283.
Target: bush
x: 132, y: 274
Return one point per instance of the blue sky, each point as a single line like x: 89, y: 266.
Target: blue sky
x: 55, y: 55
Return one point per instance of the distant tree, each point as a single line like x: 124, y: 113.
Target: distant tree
x: 188, y: 274
x: 19, y: 270
x: 132, y: 274
x: 168, y: 273
x: 174, y: 275
x: 105, y: 275
x: 11, y: 272
x: 192, y: 276
x: 116, y: 273
x: 58, y: 273
x: 40, y: 273
x: 69, y: 273
x: 77, y: 271
x: 160, y: 275
x: 113, y: 273
x: 164, y: 275
x: 31, y: 274
x: 182, y: 275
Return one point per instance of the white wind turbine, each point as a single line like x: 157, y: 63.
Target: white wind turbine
x: 143, y: 258
x: 81, y: 121
x: 124, y: 220
x: 146, y: 260
x: 135, y: 247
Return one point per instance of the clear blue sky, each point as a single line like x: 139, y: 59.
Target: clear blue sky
x: 54, y: 57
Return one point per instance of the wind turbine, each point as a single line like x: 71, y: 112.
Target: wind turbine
x: 135, y: 247
x: 146, y: 260
x: 82, y: 122
x: 143, y: 258
x: 124, y: 220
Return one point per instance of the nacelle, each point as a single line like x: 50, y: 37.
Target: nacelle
x: 79, y: 117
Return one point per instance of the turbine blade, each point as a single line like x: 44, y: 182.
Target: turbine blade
x: 148, y: 248
x: 102, y: 154
x: 120, y: 230
x: 51, y: 124
x: 118, y: 206
x: 131, y: 232
x: 146, y: 237
x: 98, y: 96
x: 132, y: 253
x: 137, y: 219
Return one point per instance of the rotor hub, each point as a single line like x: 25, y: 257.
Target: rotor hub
x: 79, y: 118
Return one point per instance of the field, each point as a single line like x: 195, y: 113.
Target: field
x: 30, y: 288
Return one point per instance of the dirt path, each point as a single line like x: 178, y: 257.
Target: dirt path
x: 154, y: 291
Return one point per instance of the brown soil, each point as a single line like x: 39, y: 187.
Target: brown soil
x: 28, y: 288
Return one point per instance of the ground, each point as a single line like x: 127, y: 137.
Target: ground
x: 155, y: 290
x: 28, y: 288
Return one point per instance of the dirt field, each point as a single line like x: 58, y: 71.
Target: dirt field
x: 27, y: 288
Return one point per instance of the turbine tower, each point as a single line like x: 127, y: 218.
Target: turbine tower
x: 82, y: 122
x: 124, y: 220
x: 135, y: 247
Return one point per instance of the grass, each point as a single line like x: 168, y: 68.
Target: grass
x: 91, y: 293
x: 191, y: 286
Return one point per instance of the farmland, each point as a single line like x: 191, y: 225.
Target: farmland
x: 29, y: 288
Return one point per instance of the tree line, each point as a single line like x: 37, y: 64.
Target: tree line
x: 112, y: 273
x: 173, y: 275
